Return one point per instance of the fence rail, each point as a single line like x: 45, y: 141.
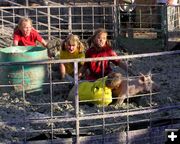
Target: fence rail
x: 58, y: 21
x: 49, y: 113
x: 46, y: 115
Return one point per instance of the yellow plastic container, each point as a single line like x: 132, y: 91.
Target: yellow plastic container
x: 95, y: 92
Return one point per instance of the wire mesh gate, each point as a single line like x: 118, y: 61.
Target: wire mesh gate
x: 58, y: 21
x: 149, y: 26
x: 53, y: 21
x: 47, y: 116
x: 29, y: 117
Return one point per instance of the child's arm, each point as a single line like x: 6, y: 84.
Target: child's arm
x: 16, y: 38
x: 15, y: 43
x: 44, y: 43
x: 121, y: 64
x: 82, y: 71
x: 125, y: 67
x: 62, y: 70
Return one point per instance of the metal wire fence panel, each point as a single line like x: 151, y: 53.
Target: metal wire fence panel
x: 48, y: 116
x: 58, y: 21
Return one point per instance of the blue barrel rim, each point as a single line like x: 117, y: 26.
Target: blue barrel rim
x: 25, y: 49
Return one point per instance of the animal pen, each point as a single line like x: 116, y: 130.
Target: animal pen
x: 46, y: 116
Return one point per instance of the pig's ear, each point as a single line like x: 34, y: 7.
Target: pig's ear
x: 149, y: 73
x: 141, y: 74
x: 142, y: 78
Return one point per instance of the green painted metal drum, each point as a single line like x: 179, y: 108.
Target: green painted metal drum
x: 23, y: 77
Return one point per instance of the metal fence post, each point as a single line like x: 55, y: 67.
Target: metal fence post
x: 76, y: 101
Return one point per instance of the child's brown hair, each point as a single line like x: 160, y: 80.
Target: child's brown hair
x: 71, y: 39
x: 91, y: 40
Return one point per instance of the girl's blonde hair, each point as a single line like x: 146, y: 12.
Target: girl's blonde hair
x: 71, y: 39
x: 91, y: 40
x: 22, y: 20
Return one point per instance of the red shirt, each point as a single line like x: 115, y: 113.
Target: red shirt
x: 96, y: 67
x: 29, y: 40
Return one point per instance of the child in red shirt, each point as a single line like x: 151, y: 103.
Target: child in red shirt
x: 99, y: 47
x: 26, y: 35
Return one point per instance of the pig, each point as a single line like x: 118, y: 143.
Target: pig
x: 121, y: 86
x: 93, y: 92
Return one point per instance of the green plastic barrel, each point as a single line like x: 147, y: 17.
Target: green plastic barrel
x: 23, y: 77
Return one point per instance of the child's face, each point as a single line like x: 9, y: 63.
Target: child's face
x: 101, y: 39
x: 26, y: 28
x: 71, y: 47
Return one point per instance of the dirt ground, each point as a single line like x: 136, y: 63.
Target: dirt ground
x: 17, y: 107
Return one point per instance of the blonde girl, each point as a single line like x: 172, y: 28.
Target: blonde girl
x: 72, y: 48
x: 26, y: 35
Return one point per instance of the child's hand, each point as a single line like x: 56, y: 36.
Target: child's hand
x: 80, y: 75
